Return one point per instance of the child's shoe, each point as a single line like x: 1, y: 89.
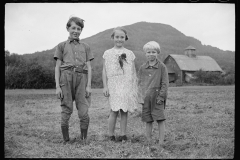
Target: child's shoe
x: 83, y: 136
x: 122, y: 138
x: 112, y: 138
x: 148, y: 142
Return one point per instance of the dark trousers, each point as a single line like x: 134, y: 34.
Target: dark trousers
x: 151, y: 111
x: 73, y: 85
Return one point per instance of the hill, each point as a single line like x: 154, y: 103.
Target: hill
x: 170, y: 39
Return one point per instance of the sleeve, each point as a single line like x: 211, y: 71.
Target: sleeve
x: 89, y: 53
x: 59, y: 52
x: 132, y: 56
x: 164, y: 83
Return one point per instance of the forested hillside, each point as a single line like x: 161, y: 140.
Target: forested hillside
x: 170, y: 39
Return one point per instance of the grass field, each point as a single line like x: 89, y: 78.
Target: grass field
x: 200, y: 124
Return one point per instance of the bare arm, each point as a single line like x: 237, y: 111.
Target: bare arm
x: 89, y: 73
x: 57, y: 72
x: 134, y: 69
x: 135, y: 78
x: 104, y: 75
x: 139, y: 75
x: 104, y: 78
x: 57, y: 79
x: 88, y: 88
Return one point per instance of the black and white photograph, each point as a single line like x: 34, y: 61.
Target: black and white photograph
x: 112, y: 80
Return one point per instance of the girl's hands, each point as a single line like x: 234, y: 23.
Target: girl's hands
x: 59, y: 93
x: 88, y: 91
x: 106, y: 92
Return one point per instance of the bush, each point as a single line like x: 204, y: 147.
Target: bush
x: 229, y: 79
x: 29, y: 76
x: 200, y: 76
x: 214, y: 78
x: 14, y: 77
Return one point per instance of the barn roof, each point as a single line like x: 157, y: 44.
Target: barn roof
x: 204, y: 63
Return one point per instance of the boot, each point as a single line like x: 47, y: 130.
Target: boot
x: 65, y: 133
x: 84, y: 134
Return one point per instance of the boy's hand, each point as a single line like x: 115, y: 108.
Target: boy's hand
x: 88, y: 91
x: 105, y: 92
x: 159, y: 100
x: 59, y: 93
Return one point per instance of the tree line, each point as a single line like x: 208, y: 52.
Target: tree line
x: 20, y: 73
x: 33, y: 73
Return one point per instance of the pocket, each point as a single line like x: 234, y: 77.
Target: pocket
x: 61, y: 84
x: 63, y: 78
x: 83, y: 55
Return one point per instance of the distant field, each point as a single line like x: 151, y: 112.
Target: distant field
x: 200, y: 124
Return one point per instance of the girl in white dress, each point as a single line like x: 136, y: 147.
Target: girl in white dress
x: 119, y: 82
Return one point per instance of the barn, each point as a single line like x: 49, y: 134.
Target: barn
x: 181, y: 67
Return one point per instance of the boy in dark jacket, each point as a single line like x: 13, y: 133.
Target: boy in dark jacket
x: 153, y: 84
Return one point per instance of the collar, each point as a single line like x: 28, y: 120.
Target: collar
x: 73, y: 40
x: 154, y: 66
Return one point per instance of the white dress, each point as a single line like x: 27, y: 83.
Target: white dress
x: 122, y: 83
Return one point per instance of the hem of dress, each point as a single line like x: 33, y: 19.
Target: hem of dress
x: 126, y: 110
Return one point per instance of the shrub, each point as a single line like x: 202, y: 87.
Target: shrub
x: 29, y: 76
x: 214, y: 78
x: 229, y: 79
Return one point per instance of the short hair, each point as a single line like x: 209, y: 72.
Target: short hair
x: 152, y: 45
x: 121, y: 29
x: 77, y: 20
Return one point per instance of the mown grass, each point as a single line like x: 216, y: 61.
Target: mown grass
x: 200, y: 124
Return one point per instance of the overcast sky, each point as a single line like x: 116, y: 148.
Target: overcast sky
x: 32, y: 27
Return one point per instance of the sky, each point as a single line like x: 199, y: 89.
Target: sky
x: 36, y: 27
